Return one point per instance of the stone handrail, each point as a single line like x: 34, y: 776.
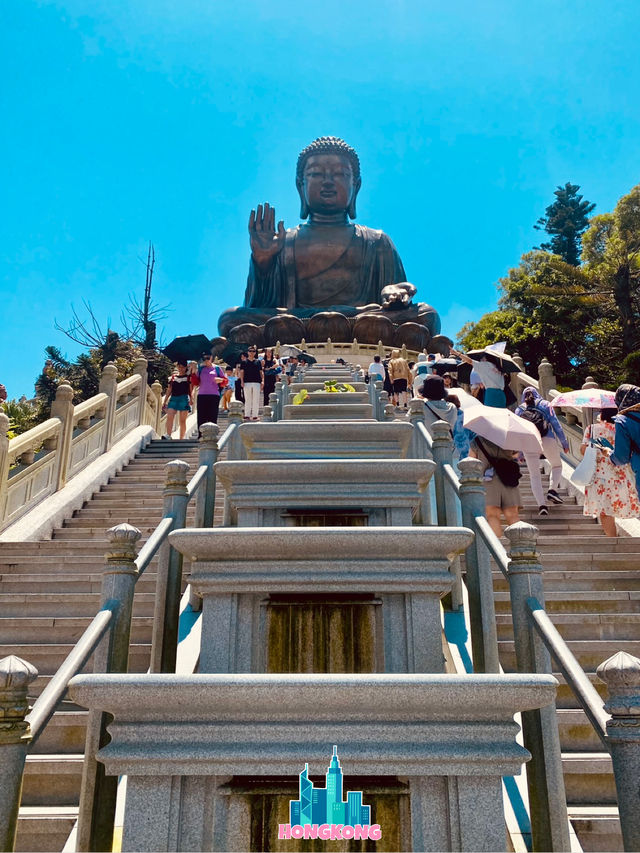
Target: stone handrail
x: 42, y: 460
x: 107, y: 638
x: 521, y: 567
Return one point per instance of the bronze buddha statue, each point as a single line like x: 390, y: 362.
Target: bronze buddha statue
x: 326, y: 277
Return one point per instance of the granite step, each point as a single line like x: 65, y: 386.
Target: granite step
x: 621, y: 627
x: 52, y: 780
x: 589, y: 653
x: 61, y: 604
x: 43, y: 828
x: 61, y: 629
x: 597, y: 828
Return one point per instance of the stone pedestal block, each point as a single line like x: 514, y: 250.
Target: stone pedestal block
x: 264, y: 494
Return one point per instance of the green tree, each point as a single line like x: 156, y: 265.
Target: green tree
x: 547, y: 308
x: 611, y: 249
x: 565, y: 220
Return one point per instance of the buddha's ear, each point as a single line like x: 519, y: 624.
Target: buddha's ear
x: 351, y: 210
x: 304, y: 207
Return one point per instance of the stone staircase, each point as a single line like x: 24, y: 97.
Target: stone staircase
x: 49, y: 591
x: 592, y: 594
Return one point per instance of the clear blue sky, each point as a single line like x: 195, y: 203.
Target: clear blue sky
x: 130, y: 120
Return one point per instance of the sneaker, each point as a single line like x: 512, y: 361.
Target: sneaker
x: 542, y: 511
x: 554, y: 497
x: 166, y: 437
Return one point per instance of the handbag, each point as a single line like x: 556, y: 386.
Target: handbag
x: 585, y: 470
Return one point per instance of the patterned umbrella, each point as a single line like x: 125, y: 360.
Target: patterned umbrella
x: 586, y: 398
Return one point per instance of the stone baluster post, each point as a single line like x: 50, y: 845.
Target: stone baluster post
x: 546, y: 378
x: 378, y: 410
x: 62, y: 407
x: 164, y: 641
x: 516, y: 383
x: 15, y: 677
x: 236, y: 416
x: 621, y: 674
x: 207, y: 455
x: 270, y: 412
x: 156, y: 389
x: 547, y: 800
x: 482, y: 616
x: 403, y: 352
x: 284, y: 398
x: 140, y: 367
x: 419, y: 450
x: 383, y: 402
x: 108, y: 382
x: 354, y: 347
x: 4, y: 464
x: 446, y: 502
x: 380, y: 349
x: 329, y: 346
x: 267, y: 414
x: 98, y: 791
x: 389, y: 412
x: 588, y: 415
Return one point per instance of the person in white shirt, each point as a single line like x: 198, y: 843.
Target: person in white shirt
x: 491, y: 377
x: 376, y: 369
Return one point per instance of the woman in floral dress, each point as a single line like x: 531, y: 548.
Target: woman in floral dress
x: 612, y: 492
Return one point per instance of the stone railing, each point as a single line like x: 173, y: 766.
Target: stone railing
x: 350, y: 352
x: 41, y: 461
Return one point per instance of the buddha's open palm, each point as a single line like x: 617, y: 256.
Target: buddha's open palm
x: 266, y: 242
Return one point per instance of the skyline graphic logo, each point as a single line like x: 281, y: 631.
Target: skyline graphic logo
x: 323, y: 813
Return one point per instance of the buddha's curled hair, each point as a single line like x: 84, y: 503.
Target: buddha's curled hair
x: 328, y: 145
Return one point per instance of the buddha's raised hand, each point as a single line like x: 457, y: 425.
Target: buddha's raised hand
x: 266, y: 242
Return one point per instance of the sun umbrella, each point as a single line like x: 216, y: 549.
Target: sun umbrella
x: 467, y: 400
x: 445, y: 365
x: 503, y: 428
x: 289, y: 350
x: 500, y: 359
x: 587, y: 398
x: 190, y: 347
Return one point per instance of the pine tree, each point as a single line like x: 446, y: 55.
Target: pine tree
x: 565, y: 221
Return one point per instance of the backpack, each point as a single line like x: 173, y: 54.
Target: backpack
x: 507, y: 470
x: 535, y: 416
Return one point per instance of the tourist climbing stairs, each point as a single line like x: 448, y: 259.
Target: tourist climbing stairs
x: 592, y: 593
x: 50, y: 590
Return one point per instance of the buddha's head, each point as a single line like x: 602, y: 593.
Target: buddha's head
x: 328, y: 177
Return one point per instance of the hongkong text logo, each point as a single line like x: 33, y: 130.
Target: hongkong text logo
x: 322, y: 813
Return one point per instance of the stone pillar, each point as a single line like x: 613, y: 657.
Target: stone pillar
x: 514, y: 381
x: 389, y: 412
x: 140, y: 367
x: 62, y: 407
x: 15, y: 677
x: 169, y: 579
x: 445, y: 499
x: 98, y: 791
x: 379, y: 409
x: 207, y: 455
x: 588, y: 415
x: 4, y: 464
x: 354, y: 347
x: 547, y: 800
x: 271, y: 411
x: 482, y: 617
x: 234, y: 447
x: 108, y: 382
x: 419, y: 450
x: 546, y: 378
x: 621, y: 674
x: 156, y: 389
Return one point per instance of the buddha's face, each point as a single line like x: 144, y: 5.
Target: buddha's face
x: 327, y: 183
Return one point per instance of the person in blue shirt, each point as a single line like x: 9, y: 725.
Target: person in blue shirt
x: 551, y: 436
x: 627, y: 441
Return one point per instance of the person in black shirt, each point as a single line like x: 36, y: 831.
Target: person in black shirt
x: 178, y: 398
x: 252, y: 382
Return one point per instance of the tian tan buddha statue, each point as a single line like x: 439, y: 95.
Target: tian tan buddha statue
x: 326, y: 277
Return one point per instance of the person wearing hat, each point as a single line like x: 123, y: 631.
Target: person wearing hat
x: 436, y: 405
x: 627, y: 438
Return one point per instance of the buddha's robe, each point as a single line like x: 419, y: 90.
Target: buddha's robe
x: 369, y: 263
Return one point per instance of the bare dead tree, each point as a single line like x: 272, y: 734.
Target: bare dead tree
x: 140, y: 319
x: 88, y: 333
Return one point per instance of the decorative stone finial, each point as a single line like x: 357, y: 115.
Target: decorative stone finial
x: 140, y: 364
x: 389, y: 412
x: 64, y: 392
x: 522, y: 538
x: 621, y: 674
x: 110, y: 370
x: 209, y: 433
x: 590, y: 382
x: 236, y: 408
x: 122, y: 539
x: 15, y: 677
x: 267, y: 413
x: 176, y: 474
x: 441, y: 431
x: 471, y: 471
x: 416, y: 408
